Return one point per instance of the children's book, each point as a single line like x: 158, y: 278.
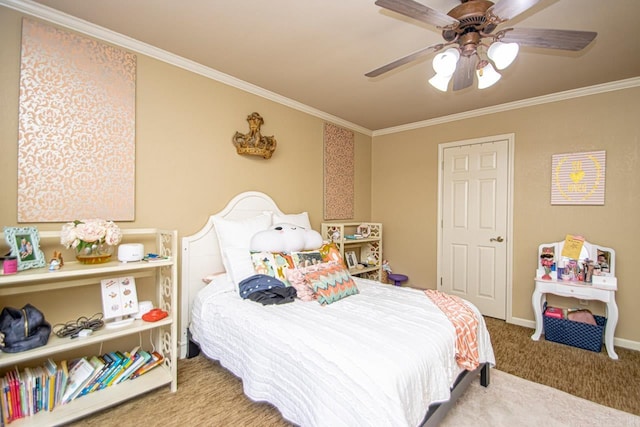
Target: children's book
x: 100, y: 366
x: 6, y: 411
x: 156, y: 359
x: 79, y: 374
x: 64, y: 376
x: 51, y: 370
x: 141, y: 357
x: 119, y: 359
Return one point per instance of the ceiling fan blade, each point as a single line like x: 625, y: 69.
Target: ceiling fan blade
x: 550, y: 39
x: 418, y: 11
x: 404, y: 60
x: 508, y: 9
x: 463, y: 77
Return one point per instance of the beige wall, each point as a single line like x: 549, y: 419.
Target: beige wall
x: 405, y: 197
x: 186, y: 165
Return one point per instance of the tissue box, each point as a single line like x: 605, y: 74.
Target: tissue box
x: 554, y: 312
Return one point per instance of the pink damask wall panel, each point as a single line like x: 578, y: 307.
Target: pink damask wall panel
x: 338, y: 172
x: 76, y: 146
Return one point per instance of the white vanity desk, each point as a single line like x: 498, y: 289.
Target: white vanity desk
x: 602, y: 289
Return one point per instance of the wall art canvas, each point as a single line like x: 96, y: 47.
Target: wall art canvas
x: 339, y: 189
x: 578, y: 178
x: 76, y: 136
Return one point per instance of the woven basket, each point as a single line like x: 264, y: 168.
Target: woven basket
x: 576, y: 334
x: 384, y: 277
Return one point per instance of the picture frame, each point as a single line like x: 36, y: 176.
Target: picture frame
x: 351, y: 259
x: 364, y: 230
x: 25, y: 245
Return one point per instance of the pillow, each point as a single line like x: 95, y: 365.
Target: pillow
x: 238, y: 264
x: 234, y: 237
x: 274, y: 264
x: 330, y: 282
x: 301, y: 219
x: 331, y: 253
x: 304, y: 291
x: 285, y: 238
x: 306, y: 258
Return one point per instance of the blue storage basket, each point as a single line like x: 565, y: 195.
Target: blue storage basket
x: 576, y: 334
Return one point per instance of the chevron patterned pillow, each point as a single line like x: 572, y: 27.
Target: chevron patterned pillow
x: 330, y: 282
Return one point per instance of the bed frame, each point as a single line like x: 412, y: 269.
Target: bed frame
x: 201, y: 257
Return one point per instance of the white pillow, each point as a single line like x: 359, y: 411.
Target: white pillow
x: 301, y: 219
x: 234, y: 237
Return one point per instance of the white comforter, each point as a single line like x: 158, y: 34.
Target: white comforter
x: 379, y: 358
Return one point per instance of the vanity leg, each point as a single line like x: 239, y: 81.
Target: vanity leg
x: 537, y: 299
x: 612, y: 320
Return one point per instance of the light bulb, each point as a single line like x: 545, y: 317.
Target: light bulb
x: 487, y: 76
x: 503, y: 54
x: 440, y: 82
x: 445, y: 62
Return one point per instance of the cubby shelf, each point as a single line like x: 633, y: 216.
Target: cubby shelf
x: 365, y: 247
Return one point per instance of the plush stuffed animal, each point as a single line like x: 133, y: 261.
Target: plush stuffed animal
x: 285, y: 238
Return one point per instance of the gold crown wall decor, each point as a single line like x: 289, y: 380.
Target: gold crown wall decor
x: 253, y: 143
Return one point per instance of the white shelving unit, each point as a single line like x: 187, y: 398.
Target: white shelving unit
x: 73, y: 275
x: 365, y: 247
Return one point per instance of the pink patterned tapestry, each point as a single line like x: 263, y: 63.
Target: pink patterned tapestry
x: 338, y: 172
x: 76, y: 136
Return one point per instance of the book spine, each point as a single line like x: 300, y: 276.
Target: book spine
x: 141, y: 358
x: 108, y: 365
x: 156, y: 359
x: 119, y: 358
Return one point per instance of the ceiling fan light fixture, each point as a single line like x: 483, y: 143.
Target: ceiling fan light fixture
x: 487, y: 75
x: 440, y: 81
x: 445, y: 62
x: 503, y: 54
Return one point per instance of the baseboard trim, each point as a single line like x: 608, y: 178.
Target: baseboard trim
x: 620, y: 342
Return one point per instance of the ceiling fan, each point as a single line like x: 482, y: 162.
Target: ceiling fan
x: 471, y: 28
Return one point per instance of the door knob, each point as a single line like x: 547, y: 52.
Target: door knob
x: 496, y: 239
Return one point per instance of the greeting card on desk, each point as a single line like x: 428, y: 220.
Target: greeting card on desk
x: 119, y: 297
x: 572, y: 246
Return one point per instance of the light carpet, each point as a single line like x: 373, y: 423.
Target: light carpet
x: 210, y: 395
x: 513, y: 401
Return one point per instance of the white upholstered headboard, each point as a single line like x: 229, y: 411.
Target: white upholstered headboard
x: 201, y: 253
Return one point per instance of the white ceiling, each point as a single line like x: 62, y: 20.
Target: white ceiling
x: 316, y: 52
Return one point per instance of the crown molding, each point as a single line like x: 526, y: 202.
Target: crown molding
x: 46, y: 13
x: 545, y: 99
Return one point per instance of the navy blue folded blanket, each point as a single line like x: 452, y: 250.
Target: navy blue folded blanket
x: 266, y: 290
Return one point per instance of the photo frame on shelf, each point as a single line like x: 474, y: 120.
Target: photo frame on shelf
x: 351, y: 259
x: 604, y: 261
x: 364, y: 230
x: 25, y: 245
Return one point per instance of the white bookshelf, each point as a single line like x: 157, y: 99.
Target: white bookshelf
x: 365, y: 247
x: 73, y: 275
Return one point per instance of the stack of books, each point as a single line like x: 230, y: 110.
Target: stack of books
x: 42, y: 388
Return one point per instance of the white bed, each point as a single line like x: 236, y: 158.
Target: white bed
x: 385, y: 356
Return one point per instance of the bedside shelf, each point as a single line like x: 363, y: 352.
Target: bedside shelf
x: 370, y: 246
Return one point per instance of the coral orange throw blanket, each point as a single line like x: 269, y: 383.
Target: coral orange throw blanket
x: 465, y: 323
